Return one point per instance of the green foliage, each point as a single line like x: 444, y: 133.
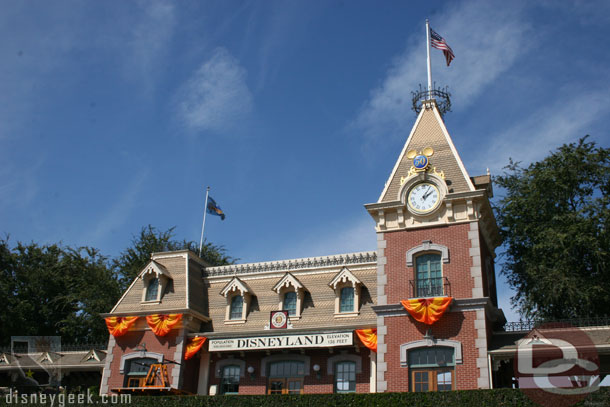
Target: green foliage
x: 52, y: 290
x: 555, y: 221
x: 151, y: 240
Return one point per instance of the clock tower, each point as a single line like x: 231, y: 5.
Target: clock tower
x: 436, y: 288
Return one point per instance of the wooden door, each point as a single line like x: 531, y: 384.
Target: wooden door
x: 432, y: 380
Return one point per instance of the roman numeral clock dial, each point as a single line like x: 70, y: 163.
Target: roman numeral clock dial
x: 423, y: 198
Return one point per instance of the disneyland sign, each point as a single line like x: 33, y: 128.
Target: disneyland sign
x: 282, y: 341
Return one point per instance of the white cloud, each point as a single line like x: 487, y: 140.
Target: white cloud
x: 151, y: 33
x: 565, y: 120
x: 216, y: 97
x: 486, y: 39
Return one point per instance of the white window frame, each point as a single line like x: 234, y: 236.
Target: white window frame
x: 286, y: 284
x: 151, y: 271
x: 233, y: 288
x: 346, y: 278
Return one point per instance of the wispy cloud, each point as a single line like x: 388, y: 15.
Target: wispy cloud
x: 487, y: 41
x: 150, y: 35
x: 565, y: 120
x: 119, y: 212
x: 216, y: 97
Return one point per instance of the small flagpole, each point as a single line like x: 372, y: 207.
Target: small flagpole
x: 429, y: 68
x: 205, y: 210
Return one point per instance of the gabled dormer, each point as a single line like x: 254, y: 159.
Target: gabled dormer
x: 291, y: 294
x: 347, y: 289
x: 156, y: 279
x: 238, y: 296
x: 48, y: 357
x: 92, y: 356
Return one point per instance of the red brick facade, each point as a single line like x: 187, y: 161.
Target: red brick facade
x: 455, y: 237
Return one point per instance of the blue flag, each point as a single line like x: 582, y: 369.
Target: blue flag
x: 214, y: 209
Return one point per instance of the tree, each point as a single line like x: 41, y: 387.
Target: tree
x: 555, y: 221
x: 132, y: 260
x: 55, y: 290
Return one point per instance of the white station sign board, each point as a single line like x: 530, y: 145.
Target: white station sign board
x: 282, y: 341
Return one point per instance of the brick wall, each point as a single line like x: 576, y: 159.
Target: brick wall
x: 127, y: 343
x: 455, y: 237
x: 457, y: 326
x: 311, y: 384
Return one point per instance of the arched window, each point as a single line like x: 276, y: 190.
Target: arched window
x: 428, y: 275
x: 237, y: 307
x: 345, y: 377
x: 431, y: 368
x: 229, y: 381
x: 346, y: 300
x: 290, y: 303
x: 152, y: 290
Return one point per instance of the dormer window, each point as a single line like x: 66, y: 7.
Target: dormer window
x: 152, y: 290
x: 347, y: 293
x: 238, y: 296
x: 237, y: 307
x: 346, y: 300
x: 291, y: 293
x: 290, y: 303
x: 156, y: 279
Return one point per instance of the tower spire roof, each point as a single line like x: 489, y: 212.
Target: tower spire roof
x: 429, y: 131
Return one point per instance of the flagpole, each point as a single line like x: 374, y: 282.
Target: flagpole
x: 205, y: 210
x: 428, y: 52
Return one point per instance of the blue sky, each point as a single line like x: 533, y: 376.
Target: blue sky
x: 116, y: 115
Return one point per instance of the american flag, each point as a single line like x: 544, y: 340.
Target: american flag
x: 439, y: 42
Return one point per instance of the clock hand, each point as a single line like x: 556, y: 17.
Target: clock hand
x: 430, y: 190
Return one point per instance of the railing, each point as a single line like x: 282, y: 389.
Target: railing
x: 430, y: 287
x: 528, y: 325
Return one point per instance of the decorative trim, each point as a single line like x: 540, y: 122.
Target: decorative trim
x: 343, y: 357
x: 283, y: 357
x: 155, y: 268
x: 427, y: 246
x: 293, y: 264
x: 226, y: 362
x: 287, y: 281
x: 235, y: 285
x: 137, y: 355
x: 430, y: 342
x: 343, y: 277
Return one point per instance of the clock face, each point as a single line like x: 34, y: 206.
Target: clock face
x: 423, y: 198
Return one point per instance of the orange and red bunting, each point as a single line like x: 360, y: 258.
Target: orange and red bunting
x: 162, y: 324
x: 427, y: 310
x: 193, y: 346
x: 118, y: 326
x: 368, y: 337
